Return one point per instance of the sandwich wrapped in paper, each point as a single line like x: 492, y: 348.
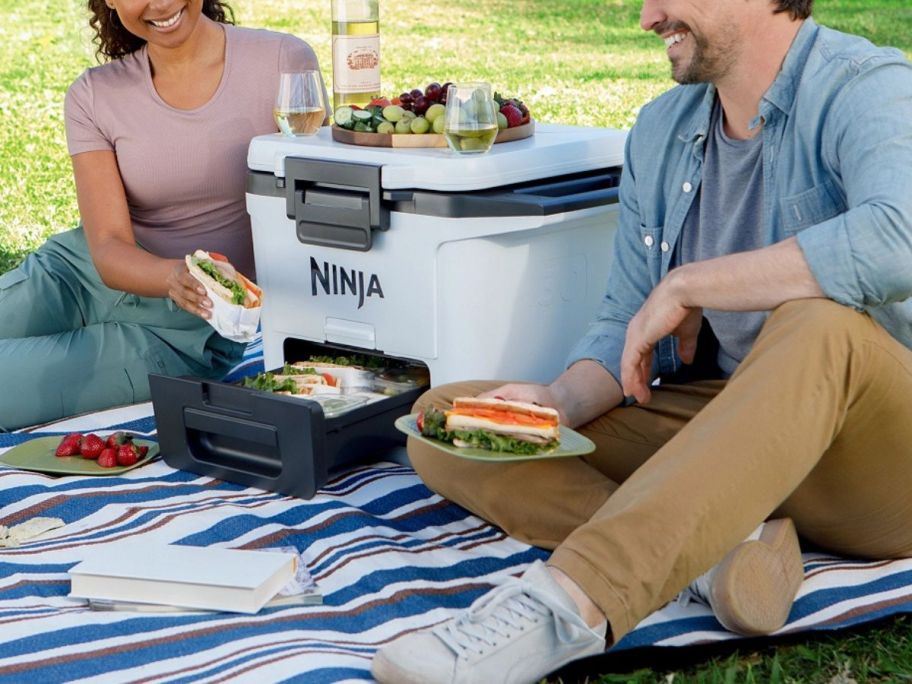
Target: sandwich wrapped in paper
x: 495, y: 424
x: 235, y: 299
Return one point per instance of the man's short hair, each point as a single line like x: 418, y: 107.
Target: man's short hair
x: 798, y: 9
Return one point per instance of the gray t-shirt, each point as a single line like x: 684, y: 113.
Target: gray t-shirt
x: 727, y: 217
x: 185, y: 171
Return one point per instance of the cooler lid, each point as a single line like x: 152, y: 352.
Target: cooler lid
x: 553, y: 150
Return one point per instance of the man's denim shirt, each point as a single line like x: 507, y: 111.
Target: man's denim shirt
x: 837, y: 171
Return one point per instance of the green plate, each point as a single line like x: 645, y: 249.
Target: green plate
x: 571, y: 444
x: 38, y: 456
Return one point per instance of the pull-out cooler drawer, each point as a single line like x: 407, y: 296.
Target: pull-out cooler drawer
x: 270, y: 441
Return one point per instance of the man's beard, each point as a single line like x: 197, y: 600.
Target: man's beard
x: 707, y: 64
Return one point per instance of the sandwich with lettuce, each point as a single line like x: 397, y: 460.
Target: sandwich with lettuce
x: 215, y: 272
x: 514, y: 427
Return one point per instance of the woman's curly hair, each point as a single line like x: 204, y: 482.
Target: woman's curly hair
x: 114, y: 41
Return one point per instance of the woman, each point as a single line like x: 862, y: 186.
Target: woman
x: 158, y: 137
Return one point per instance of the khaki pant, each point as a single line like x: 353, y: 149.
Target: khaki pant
x: 816, y: 424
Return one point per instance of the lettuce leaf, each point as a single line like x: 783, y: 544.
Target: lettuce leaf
x: 435, y: 428
x: 267, y: 382
x: 237, y: 290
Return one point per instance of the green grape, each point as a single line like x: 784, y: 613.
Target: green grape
x: 420, y: 125
x: 434, y: 111
x: 393, y: 113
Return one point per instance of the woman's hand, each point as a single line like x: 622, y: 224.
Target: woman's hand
x: 188, y: 293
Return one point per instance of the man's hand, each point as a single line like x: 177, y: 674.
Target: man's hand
x: 758, y: 280
x: 582, y: 392
x: 663, y: 313
x: 531, y: 394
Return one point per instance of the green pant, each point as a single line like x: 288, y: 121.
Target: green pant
x: 69, y: 344
x: 815, y: 424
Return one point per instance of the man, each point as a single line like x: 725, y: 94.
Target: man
x: 765, y: 210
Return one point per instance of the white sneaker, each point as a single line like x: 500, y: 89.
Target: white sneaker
x: 515, y: 634
x: 752, y: 589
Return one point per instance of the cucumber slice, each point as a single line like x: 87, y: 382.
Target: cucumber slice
x: 361, y: 115
x: 363, y: 127
x: 343, y: 117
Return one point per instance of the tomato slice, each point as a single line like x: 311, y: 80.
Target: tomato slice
x: 330, y: 379
x: 505, y: 417
x: 419, y: 420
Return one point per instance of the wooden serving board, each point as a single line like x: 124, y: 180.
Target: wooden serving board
x: 405, y: 140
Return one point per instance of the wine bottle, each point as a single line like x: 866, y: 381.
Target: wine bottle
x: 355, y: 51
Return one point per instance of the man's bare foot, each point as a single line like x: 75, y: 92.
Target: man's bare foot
x: 591, y: 613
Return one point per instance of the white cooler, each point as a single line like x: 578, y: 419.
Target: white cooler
x: 486, y: 266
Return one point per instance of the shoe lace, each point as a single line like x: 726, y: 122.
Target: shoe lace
x: 500, y: 613
x: 698, y: 590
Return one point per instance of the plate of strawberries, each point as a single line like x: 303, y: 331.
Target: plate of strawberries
x: 79, y: 453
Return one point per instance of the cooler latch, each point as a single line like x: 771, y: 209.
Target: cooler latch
x: 334, y: 204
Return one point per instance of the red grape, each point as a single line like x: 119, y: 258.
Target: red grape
x: 421, y: 104
x: 433, y: 91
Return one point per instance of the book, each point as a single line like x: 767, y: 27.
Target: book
x: 207, y: 578
x: 308, y: 597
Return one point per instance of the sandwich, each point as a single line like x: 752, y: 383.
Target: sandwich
x: 215, y: 272
x: 494, y: 424
x: 307, y: 374
x: 288, y: 381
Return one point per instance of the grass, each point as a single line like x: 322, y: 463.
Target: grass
x: 879, y: 653
x: 584, y: 62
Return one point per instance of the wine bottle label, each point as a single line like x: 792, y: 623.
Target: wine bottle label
x: 356, y: 63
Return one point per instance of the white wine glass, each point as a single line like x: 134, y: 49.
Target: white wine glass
x: 470, y: 126
x: 299, y: 107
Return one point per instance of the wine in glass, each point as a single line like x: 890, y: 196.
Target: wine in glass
x: 300, y: 108
x: 470, y: 124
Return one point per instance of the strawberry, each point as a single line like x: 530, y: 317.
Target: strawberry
x: 515, y: 102
x: 126, y: 455
x: 115, y: 439
x: 72, y: 437
x: 91, y: 446
x: 107, y: 458
x: 520, y: 105
x: 66, y: 448
x: 514, y: 116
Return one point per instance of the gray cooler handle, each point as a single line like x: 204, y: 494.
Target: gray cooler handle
x: 334, y: 204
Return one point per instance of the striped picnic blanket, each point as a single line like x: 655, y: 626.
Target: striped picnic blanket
x: 389, y: 555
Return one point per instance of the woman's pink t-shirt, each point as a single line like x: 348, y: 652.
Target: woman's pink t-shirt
x: 185, y: 171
